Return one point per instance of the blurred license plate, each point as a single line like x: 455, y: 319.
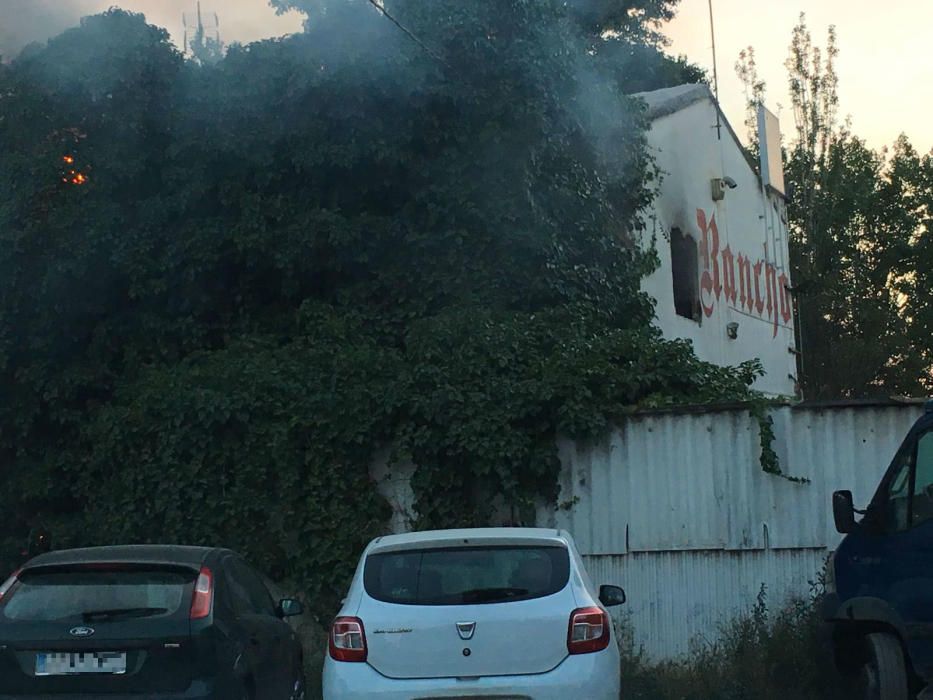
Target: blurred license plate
x: 67, y: 663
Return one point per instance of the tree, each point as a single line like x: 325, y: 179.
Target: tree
x: 852, y: 220
x: 84, y: 127
x: 847, y: 256
x: 908, y: 201
x: 225, y: 287
x: 205, y: 49
x: 746, y: 68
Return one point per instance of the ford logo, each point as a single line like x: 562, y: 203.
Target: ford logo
x: 81, y: 631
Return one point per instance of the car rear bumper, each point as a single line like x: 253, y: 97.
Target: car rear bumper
x: 198, y: 690
x: 591, y: 676
x: 109, y: 696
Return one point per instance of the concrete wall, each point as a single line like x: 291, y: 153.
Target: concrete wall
x: 742, y: 241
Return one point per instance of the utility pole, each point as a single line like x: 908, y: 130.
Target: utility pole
x: 712, y: 32
x: 199, y: 35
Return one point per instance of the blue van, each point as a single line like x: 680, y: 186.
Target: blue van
x: 879, y: 588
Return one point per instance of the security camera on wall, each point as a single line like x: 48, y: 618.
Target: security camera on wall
x: 719, y: 185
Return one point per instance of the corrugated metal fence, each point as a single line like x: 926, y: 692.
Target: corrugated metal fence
x: 675, y: 507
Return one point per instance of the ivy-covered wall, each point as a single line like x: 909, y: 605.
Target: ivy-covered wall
x: 224, y: 288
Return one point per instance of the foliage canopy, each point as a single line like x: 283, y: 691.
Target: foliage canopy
x: 225, y: 286
x: 861, y: 226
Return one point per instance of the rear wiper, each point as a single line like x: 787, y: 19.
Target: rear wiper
x: 90, y: 615
x: 486, y: 595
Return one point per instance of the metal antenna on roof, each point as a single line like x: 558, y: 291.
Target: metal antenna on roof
x: 712, y: 32
x: 200, y: 33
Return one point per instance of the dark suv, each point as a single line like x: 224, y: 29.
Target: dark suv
x: 147, y: 621
x: 879, y: 603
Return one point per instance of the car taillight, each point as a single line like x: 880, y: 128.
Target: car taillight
x: 348, y: 639
x: 8, y: 584
x: 203, y: 599
x: 588, y: 631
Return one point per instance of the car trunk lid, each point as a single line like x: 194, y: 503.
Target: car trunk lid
x: 467, y: 611
x: 97, y: 630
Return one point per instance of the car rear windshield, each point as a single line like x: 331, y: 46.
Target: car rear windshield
x: 466, y: 575
x: 93, y: 596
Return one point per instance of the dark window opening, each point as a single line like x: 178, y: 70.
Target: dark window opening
x: 685, y: 271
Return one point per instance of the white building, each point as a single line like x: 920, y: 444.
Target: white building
x: 721, y: 235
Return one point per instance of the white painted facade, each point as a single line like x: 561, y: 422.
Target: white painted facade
x: 742, y: 266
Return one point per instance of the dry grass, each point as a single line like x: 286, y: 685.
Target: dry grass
x: 762, y: 655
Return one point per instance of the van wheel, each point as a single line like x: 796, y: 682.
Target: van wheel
x: 883, y: 673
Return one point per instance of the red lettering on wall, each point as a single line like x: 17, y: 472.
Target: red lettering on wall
x: 772, y: 294
x: 783, y: 284
x: 759, y: 302
x: 728, y: 275
x: 709, y: 278
x: 745, y: 283
x: 718, y: 279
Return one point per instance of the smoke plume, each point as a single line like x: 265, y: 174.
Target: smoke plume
x: 25, y: 21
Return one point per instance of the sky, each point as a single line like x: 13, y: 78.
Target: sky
x: 22, y: 21
x: 885, y: 66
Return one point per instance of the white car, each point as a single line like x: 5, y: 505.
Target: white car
x: 506, y: 613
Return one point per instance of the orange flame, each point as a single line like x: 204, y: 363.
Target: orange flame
x: 72, y: 176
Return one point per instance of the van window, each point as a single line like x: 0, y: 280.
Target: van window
x: 922, y: 504
x: 897, y: 505
x: 466, y: 575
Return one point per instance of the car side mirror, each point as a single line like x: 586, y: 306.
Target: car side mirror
x: 289, y: 607
x: 843, y: 512
x: 611, y: 595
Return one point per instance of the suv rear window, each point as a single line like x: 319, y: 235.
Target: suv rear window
x: 466, y: 575
x: 96, y: 595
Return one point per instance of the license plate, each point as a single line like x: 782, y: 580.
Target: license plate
x: 68, y: 663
